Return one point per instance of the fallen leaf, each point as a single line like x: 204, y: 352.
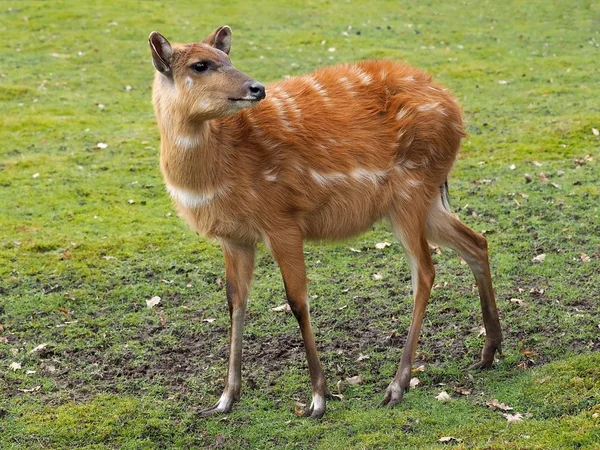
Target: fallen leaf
x: 69, y: 296
x: 3, y: 340
x: 35, y: 389
x: 443, y: 396
x: 355, y: 250
x: 448, y: 439
x: 1, y: 328
x: 518, y: 301
x: 35, y: 175
x: 163, y: 320
x: 543, y: 380
x: 285, y: 307
x: 101, y: 145
x: 15, y: 366
x: 377, y: 276
x: 462, y: 390
x: 512, y: 167
x: 585, y: 258
x: 543, y: 178
x: 537, y: 164
x: 420, y: 368
x: 30, y: 372
x: 414, y: 382
x: 39, y: 348
x: 595, y: 132
x: 64, y: 311
x: 208, y: 320
x: 528, y: 352
x: 539, y: 258
x: 502, y: 82
x: 513, y: 417
x: 361, y: 357
x: 299, y: 408
x: 556, y: 185
x: 595, y: 416
x: 354, y: 380
x: 495, y: 404
x: 153, y: 301
x: 382, y: 245
x: 481, y: 332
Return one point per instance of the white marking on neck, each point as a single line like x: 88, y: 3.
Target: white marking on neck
x: 189, y: 82
x: 278, y: 104
x: 190, y: 199
x: 187, y: 142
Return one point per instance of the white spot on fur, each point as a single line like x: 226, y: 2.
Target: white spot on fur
x: 190, y: 199
x: 278, y: 104
x: 409, y: 78
x: 374, y: 176
x: 289, y: 101
x: 270, y: 175
x: 363, y: 77
x: 428, y: 106
x: 347, y: 84
x: 326, y: 178
x: 413, y: 182
x: 401, y: 113
x: 189, y: 82
x: 318, y: 87
x: 187, y: 142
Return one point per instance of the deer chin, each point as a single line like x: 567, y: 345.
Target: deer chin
x: 242, y: 103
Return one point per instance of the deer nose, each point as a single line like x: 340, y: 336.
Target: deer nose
x: 257, y: 90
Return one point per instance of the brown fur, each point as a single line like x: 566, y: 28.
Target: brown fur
x: 324, y: 156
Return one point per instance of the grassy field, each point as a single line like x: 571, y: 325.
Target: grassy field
x: 89, y: 234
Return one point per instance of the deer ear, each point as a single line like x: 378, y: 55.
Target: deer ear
x: 220, y: 39
x: 162, y: 52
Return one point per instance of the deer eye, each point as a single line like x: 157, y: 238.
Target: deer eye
x: 200, y: 67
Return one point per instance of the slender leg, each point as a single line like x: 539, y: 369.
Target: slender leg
x: 413, y: 239
x: 239, y: 265
x: 447, y: 230
x: 288, y: 252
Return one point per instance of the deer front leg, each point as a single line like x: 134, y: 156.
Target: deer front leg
x: 239, y: 265
x: 288, y: 252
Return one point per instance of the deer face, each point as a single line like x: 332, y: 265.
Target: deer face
x: 199, y: 80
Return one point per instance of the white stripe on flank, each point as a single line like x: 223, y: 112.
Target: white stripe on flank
x: 410, y: 78
x: 318, y: 87
x: 187, y: 142
x: 325, y: 178
x: 401, y: 113
x: 289, y: 100
x: 190, y: 199
x: 347, y: 84
x: 363, y: 77
x: 374, y: 176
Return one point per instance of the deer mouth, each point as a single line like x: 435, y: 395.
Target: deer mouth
x: 245, y: 99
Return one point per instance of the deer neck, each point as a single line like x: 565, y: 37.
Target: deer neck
x: 193, y: 156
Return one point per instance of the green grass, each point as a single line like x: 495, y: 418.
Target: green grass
x: 78, y: 260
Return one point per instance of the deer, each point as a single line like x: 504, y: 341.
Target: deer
x: 315, y: 157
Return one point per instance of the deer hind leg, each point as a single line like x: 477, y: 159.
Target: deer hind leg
x: 445, y: 229
x: 239, y: 266
x: 410, y: 229
x: 287, y: 249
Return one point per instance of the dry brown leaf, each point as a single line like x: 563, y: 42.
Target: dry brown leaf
x: 443, y: 396
x: 163, y: 320
x: 527, y: 352
x: 354, y: 380
x: 64, y: 311
x: 39, y: 348
x: 420, y: 368
x: 285, y: 307
x: 543, y: 177
x: 518, y: 301
x: 539, y: 258
x: 585, y: 258
x: 69, y: 296
x: 513, y: 417
x: 1, y: 328
x: 462, y: 390
x: 299, y: 408
x: 495, y: 404
x: 449, y: 439
x: 153, y: 301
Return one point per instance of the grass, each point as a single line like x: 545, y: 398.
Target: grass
x: 88, y: 235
